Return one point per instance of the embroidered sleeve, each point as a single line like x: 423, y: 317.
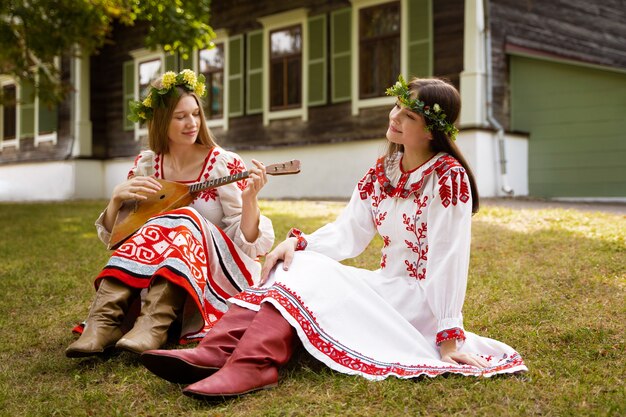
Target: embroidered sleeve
x: 449, y: 334
x: 230, y: 195
x: 347, y: 236
x: 449, y: 225
x: 302, y: 243
x: 144, y: 165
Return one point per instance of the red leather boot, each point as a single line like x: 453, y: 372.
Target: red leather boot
x: 268, y: 343
x: 185, y: 366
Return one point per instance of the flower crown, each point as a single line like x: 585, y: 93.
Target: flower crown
x: 159, y: 92
x: 435, y: 118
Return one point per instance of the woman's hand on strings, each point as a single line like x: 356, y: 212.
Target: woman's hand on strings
x: 284, y: 251
x: 257, y: 179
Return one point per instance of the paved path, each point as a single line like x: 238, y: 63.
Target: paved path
x: 615, y: 208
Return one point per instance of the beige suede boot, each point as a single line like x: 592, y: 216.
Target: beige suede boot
x: 161, y: 306
x: 102, y: 327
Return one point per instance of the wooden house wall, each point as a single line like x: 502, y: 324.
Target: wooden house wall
x: 448, y: 23
x: 330, y: 122
x: 592, y: 32
x: 110, y: 140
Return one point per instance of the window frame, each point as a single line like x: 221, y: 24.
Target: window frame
x: 221, y: 37
x: 270, y: 24
x: 285, y: 60
x: 374, y: 42
x: 46, y: 137
x: 4, y: 82
x: 38, y: 138
x: 140, y: 56
x: 208, y: 75
x: 357, y: 5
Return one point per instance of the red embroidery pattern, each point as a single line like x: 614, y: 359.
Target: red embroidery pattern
x: 236, y: 166
x: 456, y: 333
x: 350, y: 359
x: 366, y: 185
x: 379, y: 216
x: 451, y: 191
x: 210, y: 194
x: 417, y: 269
x: 442, y: 165
x: 366, y: 188
x: 157, y: 166
x: 206, y: 195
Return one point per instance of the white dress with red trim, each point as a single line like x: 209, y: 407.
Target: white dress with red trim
x: 199, y: 247
x: 391, y: 320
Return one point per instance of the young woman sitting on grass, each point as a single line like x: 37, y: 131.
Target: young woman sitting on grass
x: 403, y: 319
x: 188, y: 261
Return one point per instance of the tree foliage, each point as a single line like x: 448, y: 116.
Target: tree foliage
x: 35, y: 32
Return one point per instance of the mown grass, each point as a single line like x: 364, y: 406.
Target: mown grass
x: 550, y: 283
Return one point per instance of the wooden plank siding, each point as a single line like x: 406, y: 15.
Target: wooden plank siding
x: 591, y: 32
x: 110, y: 140
x: 576, y: 118
x: 448, y: 17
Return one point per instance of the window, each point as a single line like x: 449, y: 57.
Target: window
x: 211, y: 64
x: 285, y: 71
x: 148, y: 72
x: 9, y: 112
x: 22, y: 115
x: 379, y: 48
x: 286, y: 68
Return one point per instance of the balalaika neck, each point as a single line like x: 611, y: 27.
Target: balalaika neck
x: 214, y: 183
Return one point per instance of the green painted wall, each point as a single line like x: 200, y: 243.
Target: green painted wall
x: 576, y: 117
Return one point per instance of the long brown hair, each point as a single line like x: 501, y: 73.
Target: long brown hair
x: 436, y: 90
x: 158, y: 141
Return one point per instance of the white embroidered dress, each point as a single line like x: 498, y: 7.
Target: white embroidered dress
x: 391, y: 320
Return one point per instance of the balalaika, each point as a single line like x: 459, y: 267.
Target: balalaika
x: 135, y: 213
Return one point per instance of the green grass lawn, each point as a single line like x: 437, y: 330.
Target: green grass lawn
x: 550, y: 283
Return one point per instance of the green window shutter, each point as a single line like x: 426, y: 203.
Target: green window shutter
x: 171, y: 62
x: 27, y: 110
x: 317, y: 60
x: 47, y: 119
x: 186, y: 63
x: 420, y: 61
x: 47, y: 116
x: 235, y: 76
x: 128, y: 93
x: 341, y: 55
x: 254, y: 80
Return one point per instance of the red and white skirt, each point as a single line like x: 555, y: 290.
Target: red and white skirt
x: 184, y: 248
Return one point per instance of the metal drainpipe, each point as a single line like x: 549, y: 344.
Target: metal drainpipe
x: 505, y: 187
